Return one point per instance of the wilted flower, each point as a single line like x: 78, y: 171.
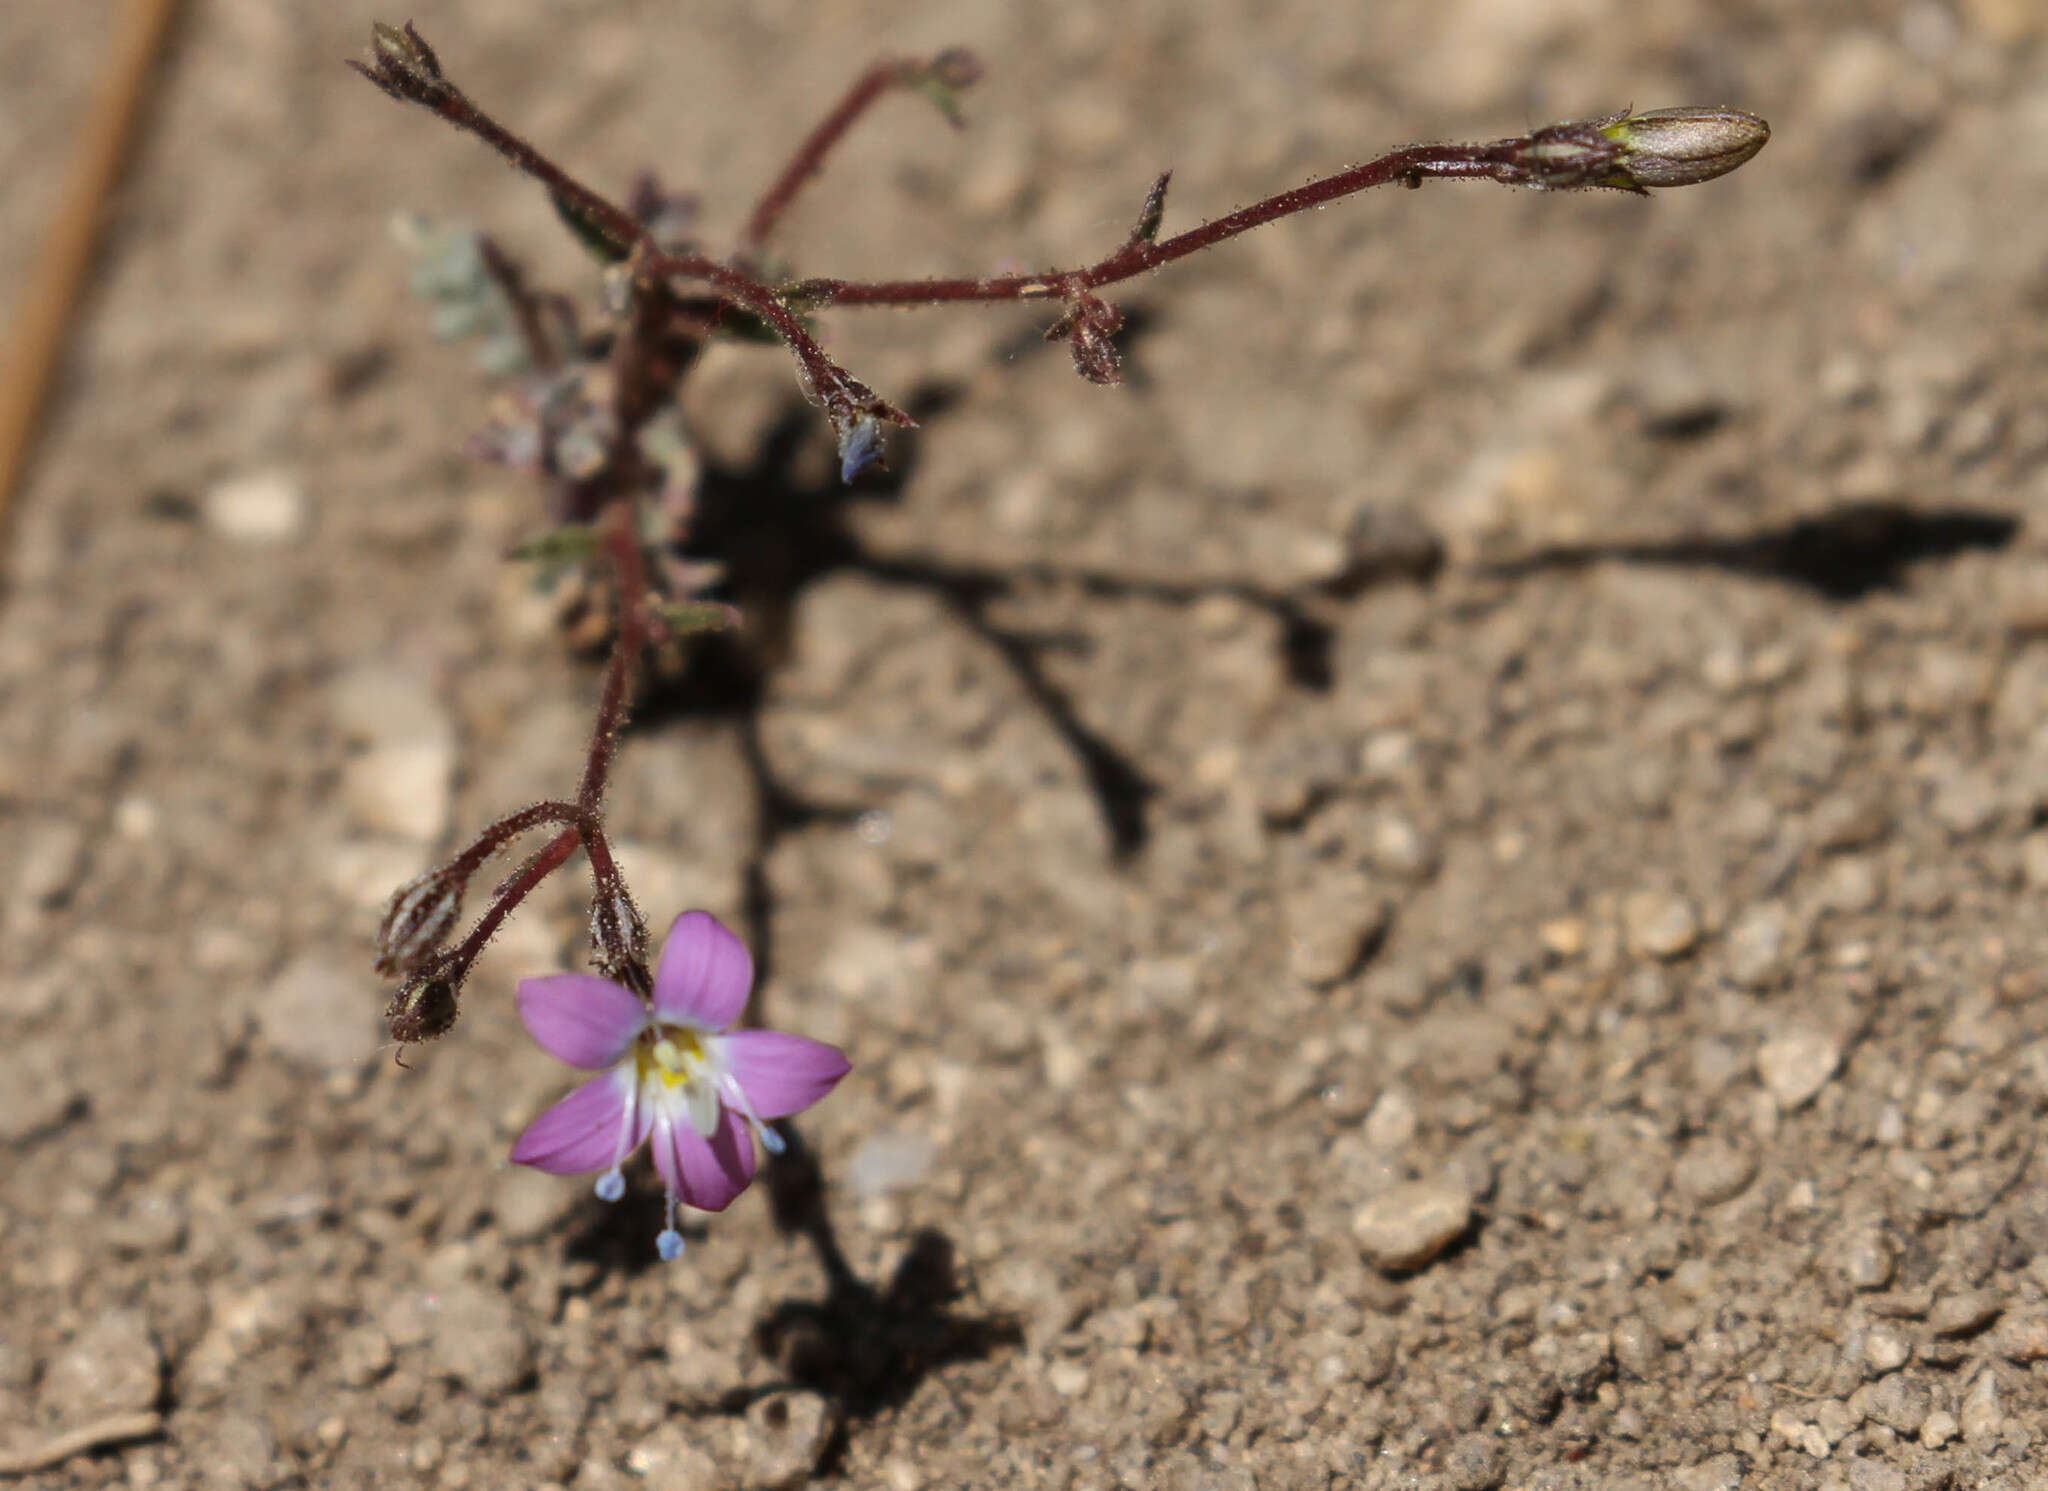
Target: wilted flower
x: 674, y: 1072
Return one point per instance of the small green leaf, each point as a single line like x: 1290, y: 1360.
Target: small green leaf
x: 686, y: 618
x: 1152, y: 213
x: 594, y: 239
x: 569, y: 544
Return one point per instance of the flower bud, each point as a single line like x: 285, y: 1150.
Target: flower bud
x: 403, y: 50
x: 618, y: 937
x: 1683, y: 147
x: 417, y: 919
x: 423, y: 1009
x: 956, y: 67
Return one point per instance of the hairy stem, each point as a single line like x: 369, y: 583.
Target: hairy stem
x: 810, y: 156
x: 1409, y: 166
x: 510, y: 894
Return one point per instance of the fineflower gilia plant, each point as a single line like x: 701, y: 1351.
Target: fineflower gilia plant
x: 592, y: 413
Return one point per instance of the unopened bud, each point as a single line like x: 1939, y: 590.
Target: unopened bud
x: 403, y: 49
x: 956, y: 67
x: 423, y: 1009
x: 942, y: 78
x: 618, y: 937
x: 1153, y: 213
x: 1683, y: 147
x: 404, y: 66
x: 417, y: 919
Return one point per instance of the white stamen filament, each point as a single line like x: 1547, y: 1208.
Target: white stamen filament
x: 736, y: 1099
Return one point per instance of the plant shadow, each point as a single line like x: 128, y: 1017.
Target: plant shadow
x: 777, y: 531
x: 1844, y: 554
x: 864, y: 1347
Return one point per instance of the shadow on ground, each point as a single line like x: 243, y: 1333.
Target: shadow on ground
x: 1843, y: 555
x: 864, y: 1347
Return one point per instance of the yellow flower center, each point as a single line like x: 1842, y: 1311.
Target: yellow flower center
x: 676, y: 1055
x: 683, y: 1070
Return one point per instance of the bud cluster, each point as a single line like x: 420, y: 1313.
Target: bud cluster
x: 418, y: 918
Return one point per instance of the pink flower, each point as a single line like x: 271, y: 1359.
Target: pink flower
x: 673, y: 1071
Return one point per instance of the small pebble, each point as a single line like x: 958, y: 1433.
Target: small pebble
x: 1938, y: 1429
x: 889, y: 1161
x: 1578, y: 1362
x: 362, y: 1356
x: 1850, y: 885
x: 17, y: 1367
x: 1407, y: 1226
x: 476, y: 1338
x: 323, y: 1014
x: 262, y: 508
x: 1759, y: 944
x: 1392, y: 1122
x: 152, y: 1224
x: 37, y: 1093
x: 529, y: 1203
x: 1795, y: 1431
x: 1333, y: 921
x: 1564, y: 938
x: 673, y: 1459
x: 1850, y: 820
x: 1638, y: 1347
x: 1476, y: 1462
x: 1400, y: 848
x: 111, y: 1367
x: 1796, y: 1065
x: 1722, y: 1473
x: 48, y: 860
x: 1966, y: 802
x: 1964, y: 1314
x: 1673, y: 395
x: 1660, y: 924
x: 238, y: 1449
x: 1981, y: 1417
x: 2023, y: 1337
x: 1885, y: 1350
x: 1836, y: 1420
x: 402, y: 788
x: 783, y: 1437
x: 1948, y: 680
x: 1901, y: 1403
x: 1713, y: 1171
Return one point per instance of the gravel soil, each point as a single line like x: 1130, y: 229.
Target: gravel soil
x: 1442, y: 891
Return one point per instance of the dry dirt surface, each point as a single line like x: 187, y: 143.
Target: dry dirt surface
x: 1441, y: 891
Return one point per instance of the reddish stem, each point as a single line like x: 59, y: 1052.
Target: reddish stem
x: 810, y: 156
x: 510, y: 894
x: 1410, y: 165
x: 630, y: 570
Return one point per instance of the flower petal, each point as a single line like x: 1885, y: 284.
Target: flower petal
x: 583, y: 1131
x: 704, y: 1173
x: 782, y: 1073
x: 587, y: 1021
x: 705, y: 973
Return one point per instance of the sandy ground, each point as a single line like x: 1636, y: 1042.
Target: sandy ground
x: 1523, y: 729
